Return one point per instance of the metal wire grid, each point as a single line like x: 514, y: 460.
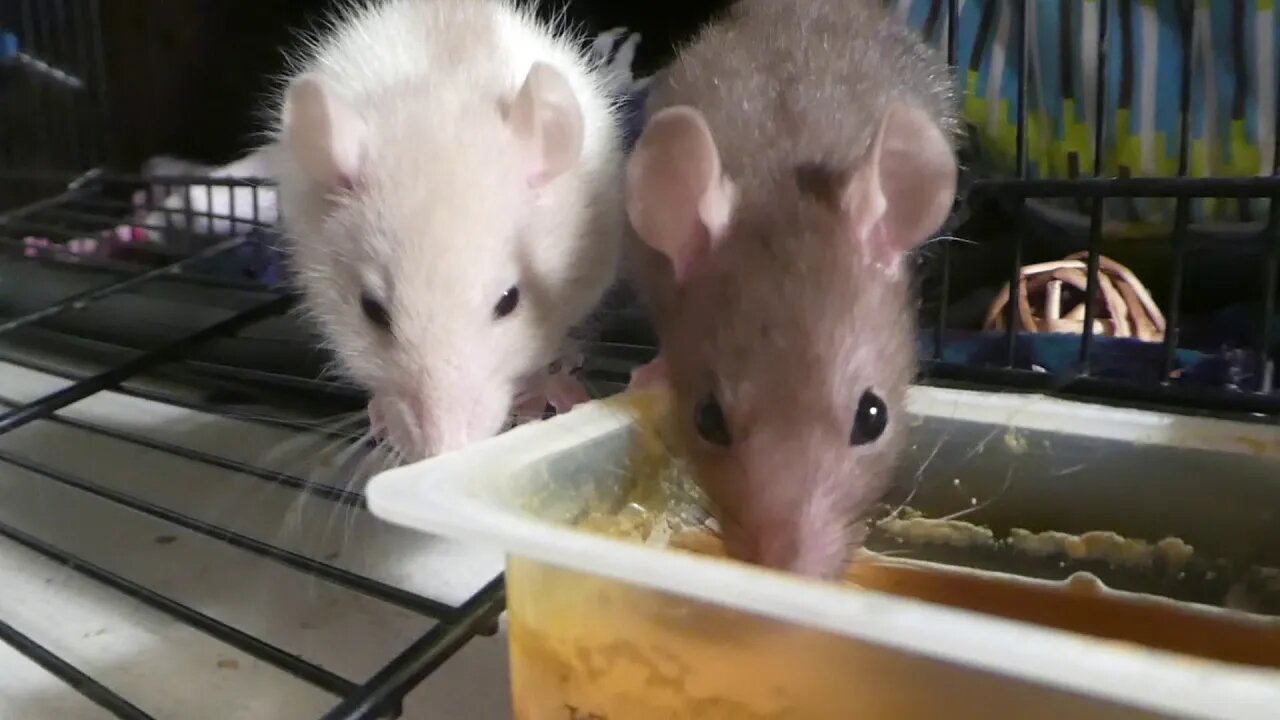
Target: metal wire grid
x: 378, y: 695
x: 83, y: 205
x: 51, y: 52
x: 1093, y: 192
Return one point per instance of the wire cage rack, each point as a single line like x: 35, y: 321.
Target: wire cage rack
x: 106, y: 295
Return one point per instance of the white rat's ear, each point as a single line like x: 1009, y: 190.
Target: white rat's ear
x: 905, y: 186
x: 323, y: 132
x: 678, y: 198
x: 545, y: 116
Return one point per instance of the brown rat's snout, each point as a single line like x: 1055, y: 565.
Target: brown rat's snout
x: 815, y: 546
x: 783, y: 507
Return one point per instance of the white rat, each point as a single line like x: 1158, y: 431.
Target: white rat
x: 449, y: 179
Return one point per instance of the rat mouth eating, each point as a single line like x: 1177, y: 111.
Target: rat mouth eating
x: 555, y: 389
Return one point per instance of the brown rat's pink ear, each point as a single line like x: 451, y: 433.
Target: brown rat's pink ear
x: 905, y: 186
x: 323, y: 132
x: 678, y: 199
x: 546, y: 117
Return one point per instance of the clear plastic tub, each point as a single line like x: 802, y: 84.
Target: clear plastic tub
x: 606, y: 628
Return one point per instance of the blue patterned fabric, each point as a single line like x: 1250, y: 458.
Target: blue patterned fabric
x: 1234, y: 62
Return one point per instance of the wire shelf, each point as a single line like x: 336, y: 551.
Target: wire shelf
x: 377, y: 696
x: 200, y: 338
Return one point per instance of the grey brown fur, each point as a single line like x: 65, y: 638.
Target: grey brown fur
x: 789, y: 326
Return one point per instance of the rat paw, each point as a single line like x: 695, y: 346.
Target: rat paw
x: 566, y: 391
x: 653, y: 373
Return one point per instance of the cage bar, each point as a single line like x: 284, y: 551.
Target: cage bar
x: 1099, y: 204
x: 386, y: 690
x: 212, y: 627
x: 1173, y: 313
x: 88, y: 687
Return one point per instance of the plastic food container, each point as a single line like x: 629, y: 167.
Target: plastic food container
x: 607, y: 628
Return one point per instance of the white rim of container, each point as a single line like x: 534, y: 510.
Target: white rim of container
x: 438, y: 496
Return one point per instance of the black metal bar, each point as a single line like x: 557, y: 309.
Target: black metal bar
x: 135, y: 178
x: 117, y: 207
x: 62, y: 57
x: 242, y: 641
x: 39, y: 205
x: 100, y: 87
x: 126, y: 268
x: 83, y: 42
x: 326, y: 492
x: 1012, y: 318
x: 91, y: 689
x: 386, y: 689
x: 1021, y: 168
x: 1136, y: 187
x: 42, y: 89
x: 302, y: 563
x: 27, y: 225
x: 1024, y: 50
x: 158, y: 397
x: 1212, y: 402
x: 1181, y: 213
x: 104, y: 219
x: 1271, y: 235
x: 110, y: 378
x: 81, y: 300
x: 1099, y: 204
x: 944, y: 293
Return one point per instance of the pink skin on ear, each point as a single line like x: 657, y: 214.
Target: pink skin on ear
x: 325, y: 135
x: 678, y: 200
x: 546, y: 119
x: 904, y: 188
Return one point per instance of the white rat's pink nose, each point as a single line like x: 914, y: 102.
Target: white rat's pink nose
x: 415, y: 430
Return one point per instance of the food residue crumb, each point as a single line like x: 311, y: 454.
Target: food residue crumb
x: 938, y: 532
x: 1015, y: 442
x: 1103, y: 545
x: 165, y: 539
x: 228, y: 664
x: 1085, y: 583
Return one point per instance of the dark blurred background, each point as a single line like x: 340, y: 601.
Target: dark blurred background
x: 186, y: 77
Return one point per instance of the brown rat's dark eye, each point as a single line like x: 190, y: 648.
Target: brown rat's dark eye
x: 375, y: 311
x: 709, y: 419
x: 870, y: 420
x: 507, y: 303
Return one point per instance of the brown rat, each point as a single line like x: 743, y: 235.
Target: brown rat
x: 796, y: 151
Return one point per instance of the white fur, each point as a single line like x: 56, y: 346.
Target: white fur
x: 443, y: 220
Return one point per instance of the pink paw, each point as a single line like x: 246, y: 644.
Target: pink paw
x: 529, y: 406
x: 654, y: 373
x: 564, y: 391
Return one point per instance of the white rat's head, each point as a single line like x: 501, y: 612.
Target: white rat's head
x: 446, y: 245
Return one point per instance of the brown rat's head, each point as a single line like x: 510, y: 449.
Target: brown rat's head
x: 786, y: 324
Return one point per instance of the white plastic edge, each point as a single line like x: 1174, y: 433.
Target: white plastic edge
x: 434, y: 496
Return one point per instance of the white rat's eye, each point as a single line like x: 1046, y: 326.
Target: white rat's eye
x: 870, y: 420
x: 375, y: 311
x: 507, y: 303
